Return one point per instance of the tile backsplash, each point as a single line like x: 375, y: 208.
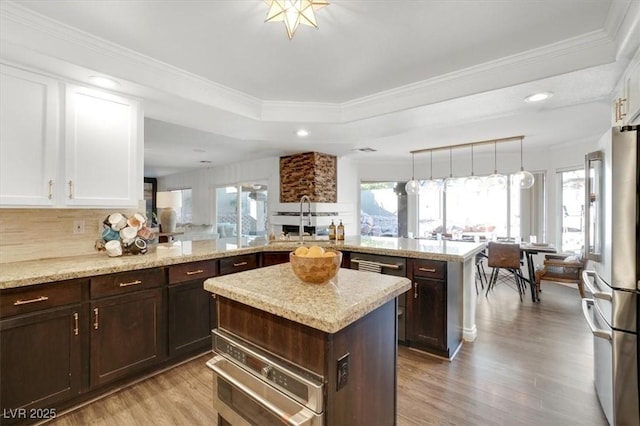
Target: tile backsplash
x: 31, y: 234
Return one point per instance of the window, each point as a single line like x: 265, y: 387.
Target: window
x: 379, y: 206
x: 491, y: 212
x: 572, y: 198
x: 483, y: 213
x: 248, y: 199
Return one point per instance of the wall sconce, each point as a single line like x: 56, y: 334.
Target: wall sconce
x: 168, y: 202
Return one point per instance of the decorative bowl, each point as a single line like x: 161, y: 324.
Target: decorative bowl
x: 315, y: 270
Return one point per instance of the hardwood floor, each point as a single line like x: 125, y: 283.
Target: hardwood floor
x: 530, y: 365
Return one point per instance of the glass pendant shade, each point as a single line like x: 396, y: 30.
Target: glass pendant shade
x: 496, y: 181
x: 413, y: 186
x: 524, y: 179
x: 473, y: 184
x: 433, y: 185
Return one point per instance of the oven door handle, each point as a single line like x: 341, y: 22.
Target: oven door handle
x: 304, y: 417
x: 597, y: 332
x: 587, y: 283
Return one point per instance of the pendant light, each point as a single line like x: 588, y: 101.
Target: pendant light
x: 473, y: 183
x: 496, y: 181
x: 450, y: 182
x: 524, y: 179
x: 432, y: 184
x: 413, y: 186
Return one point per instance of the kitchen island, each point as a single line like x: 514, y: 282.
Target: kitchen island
x: 344, y: 332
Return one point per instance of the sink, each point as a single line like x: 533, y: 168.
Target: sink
x: 313, y: 241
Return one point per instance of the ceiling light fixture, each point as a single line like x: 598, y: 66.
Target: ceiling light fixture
x: 105, y: 82
x: 294, y: 13
x: 537, y: 97
x: 432, y: 184
x: 302, y: 133
x: 413, y: 186
x: 473, y: 183
x: 450, y: 182
x: 524, y: 179
x: 496, y: 181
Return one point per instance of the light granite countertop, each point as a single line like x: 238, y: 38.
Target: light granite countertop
x: 18, y: 274
x: 329, y: 307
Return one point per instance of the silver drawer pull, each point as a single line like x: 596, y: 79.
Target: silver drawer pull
x: 199, y: 271
x: 240, y: 263
x: 427, y: 269
x: 382, y: 265
x: 136, y: 282
x: 24, y: 302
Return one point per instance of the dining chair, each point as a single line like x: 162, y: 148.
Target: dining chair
x: 481, y: 274
x: 562, y: 268
x: 505, y: 256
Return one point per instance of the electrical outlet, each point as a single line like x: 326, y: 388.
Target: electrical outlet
x: 343, y: 371
x: 78, y: 226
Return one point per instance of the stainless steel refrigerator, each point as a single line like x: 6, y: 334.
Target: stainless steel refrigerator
x: 612, y: 275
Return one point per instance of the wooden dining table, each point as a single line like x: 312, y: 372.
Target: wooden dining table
x: 530, y: 249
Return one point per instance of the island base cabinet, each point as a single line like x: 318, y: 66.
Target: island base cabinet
x: 40, y: 363
x: 126, y: 335
x: 367, y: 347
x: 427, y: 314
x: 191, y: 318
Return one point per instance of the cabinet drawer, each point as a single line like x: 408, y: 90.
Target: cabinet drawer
x: 38, y: 297
x: 233, y: 264
x: 192, y: 271
x: 125, y: 282
x: 430, y: 269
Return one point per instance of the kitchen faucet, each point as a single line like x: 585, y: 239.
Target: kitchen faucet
x: 302, y: 200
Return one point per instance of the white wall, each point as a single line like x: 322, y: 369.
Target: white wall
x: 204, y: 181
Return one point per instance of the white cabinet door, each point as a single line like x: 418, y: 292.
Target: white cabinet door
x: 102, y: 144
x: 29, y: 126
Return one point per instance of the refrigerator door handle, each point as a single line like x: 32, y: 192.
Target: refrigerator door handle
x: 597, y: 332
x: 587, y: 283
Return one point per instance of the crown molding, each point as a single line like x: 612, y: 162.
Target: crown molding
x: 48, y: 37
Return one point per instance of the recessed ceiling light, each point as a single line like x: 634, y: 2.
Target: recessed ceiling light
x: 537, y: 97
x: 105, y: 82
x: 302, y: 133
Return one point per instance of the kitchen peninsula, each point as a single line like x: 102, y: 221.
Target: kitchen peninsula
x: 343, y: 331
x: 82, y: 307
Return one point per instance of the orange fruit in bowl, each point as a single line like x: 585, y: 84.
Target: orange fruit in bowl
x: 315, y: 251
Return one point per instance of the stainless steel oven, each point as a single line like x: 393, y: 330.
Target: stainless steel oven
x: 254, y: 387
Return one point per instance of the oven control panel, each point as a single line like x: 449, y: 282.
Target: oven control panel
x: 298, y: 383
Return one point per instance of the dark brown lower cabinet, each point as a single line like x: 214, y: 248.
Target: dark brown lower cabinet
x: 126, y: 335
x: 427, y: 315
x: 40, y: 362
x: 434, y: 311
x: 191, y: 318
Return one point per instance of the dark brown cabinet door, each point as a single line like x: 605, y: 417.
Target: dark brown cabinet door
x: 275, y: 258
x: 40, y: 360
x: 191, y: 318
x: 427, y: 313
x: 126, y: 335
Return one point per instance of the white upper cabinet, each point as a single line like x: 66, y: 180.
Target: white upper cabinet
x: 626, y: 104
x: 29, y: 129
x: 89, y: 156
x: 101, y: 149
